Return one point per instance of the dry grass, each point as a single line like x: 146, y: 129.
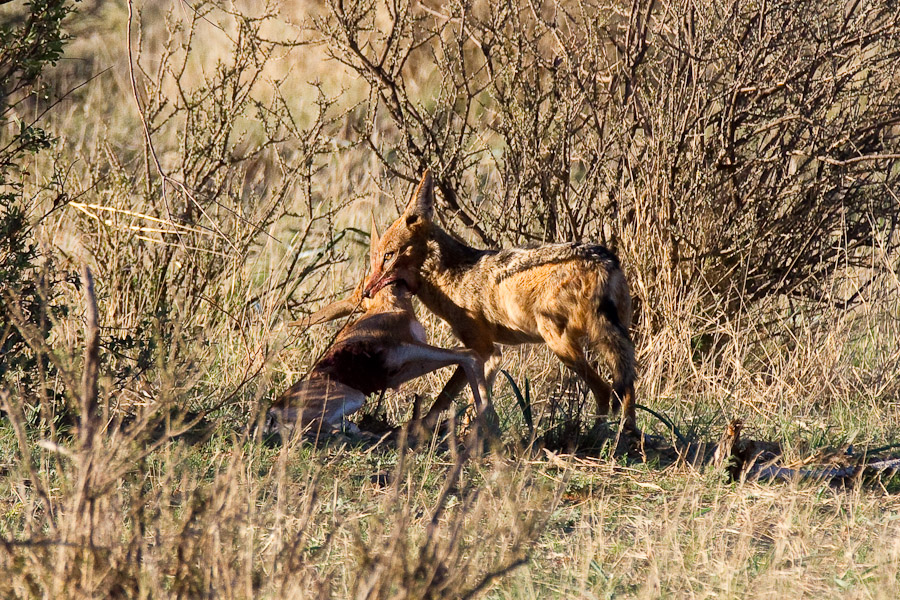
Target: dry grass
x: 165, y: 489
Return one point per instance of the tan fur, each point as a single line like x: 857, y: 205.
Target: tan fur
x: 384, y: 348
x: 566, y: 295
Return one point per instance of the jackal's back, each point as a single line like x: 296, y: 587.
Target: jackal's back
x: 513, y: 292
x: 568, y: 284
x: 519, y: 260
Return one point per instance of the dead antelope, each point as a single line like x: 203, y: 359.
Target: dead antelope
x: 565, y: 295
x: 382, y: 349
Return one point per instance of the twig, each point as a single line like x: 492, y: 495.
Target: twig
x: 487, y: 579
x: 91, y: 361
x: 166, y: 179
x: 856, y: 159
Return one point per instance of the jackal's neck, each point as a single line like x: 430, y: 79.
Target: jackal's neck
x: 448, y: 257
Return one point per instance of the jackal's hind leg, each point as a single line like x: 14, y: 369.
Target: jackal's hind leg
x: 569, y: 351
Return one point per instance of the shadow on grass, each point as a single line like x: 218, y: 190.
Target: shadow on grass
x: 738, y: 458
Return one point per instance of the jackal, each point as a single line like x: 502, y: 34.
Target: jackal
x: 382, y: 349
x: 565, y: 295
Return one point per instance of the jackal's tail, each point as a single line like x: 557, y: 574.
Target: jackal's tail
x: 611, y: 335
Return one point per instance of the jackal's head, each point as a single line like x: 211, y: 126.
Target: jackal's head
x: 400, y: 252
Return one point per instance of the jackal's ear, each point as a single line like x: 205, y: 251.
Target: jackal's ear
x: 421, y: 205
x: 374, y: 238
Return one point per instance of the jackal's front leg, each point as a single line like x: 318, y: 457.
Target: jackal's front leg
x: 445, y: 397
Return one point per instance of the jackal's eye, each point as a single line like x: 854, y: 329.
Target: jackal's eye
x: 388, y: 256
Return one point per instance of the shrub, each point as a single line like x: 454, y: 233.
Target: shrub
x: 737, y: 151
x: 31, y: 38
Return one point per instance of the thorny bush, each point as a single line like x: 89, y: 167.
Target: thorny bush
x: 740, y: 150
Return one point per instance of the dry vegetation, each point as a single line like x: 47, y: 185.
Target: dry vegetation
x: 215, y: 164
